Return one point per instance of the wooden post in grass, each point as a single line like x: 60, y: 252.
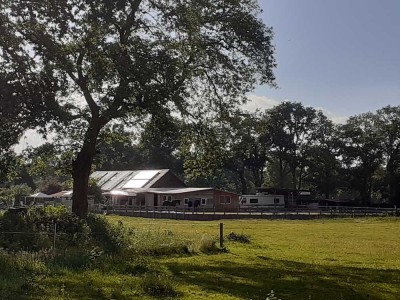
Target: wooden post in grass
x: 221, y: 235
x: 54, y: 237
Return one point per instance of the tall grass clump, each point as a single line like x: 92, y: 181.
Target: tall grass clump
x: 158, y: 285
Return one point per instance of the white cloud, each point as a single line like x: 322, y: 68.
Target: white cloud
x: 335, y: 118
x: 262, y: 103
x: 259, y: 102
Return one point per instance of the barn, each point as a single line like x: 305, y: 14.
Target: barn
x: 161, y: 188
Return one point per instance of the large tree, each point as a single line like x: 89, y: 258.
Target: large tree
x: 361, y: 153
x: 232, y: 145
x: 108, y: 60
x: 387, y: 123
x: 294, y: 130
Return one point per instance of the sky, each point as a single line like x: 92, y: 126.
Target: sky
x: 340, y: 56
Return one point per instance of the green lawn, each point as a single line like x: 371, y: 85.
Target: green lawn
x: 319, y: 259
x: 324, y: 259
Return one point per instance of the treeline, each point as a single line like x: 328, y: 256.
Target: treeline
x: 288, y: 146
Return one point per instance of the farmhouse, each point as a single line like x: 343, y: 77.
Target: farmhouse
x: 161, y: 188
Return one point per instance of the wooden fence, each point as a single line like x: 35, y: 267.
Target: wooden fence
x: 256, y: 211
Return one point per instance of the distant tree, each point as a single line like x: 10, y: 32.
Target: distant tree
x: 387, y: 123
x: 293, y: 131
x: 323, y: 166
x: 14, y: 193
x: 160, y: 141
x: 94, y: 62
x: 116, y: 150
x: 361, y: 153
x: 50, y: 186
x: 231, y: 143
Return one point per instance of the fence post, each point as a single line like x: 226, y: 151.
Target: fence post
x: 54, y: 237
x: 221, y: 235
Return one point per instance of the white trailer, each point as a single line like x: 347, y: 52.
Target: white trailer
x: 262, y: 200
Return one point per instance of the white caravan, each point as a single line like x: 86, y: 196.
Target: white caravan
x: 262, y: 200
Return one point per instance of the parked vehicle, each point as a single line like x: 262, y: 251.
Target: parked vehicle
x: 262, y: 200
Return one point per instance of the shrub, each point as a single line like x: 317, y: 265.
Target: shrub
x: 33, y: 229
x: 158, y: 285
x: 240, y: 238
x: 111, y: 238
x: 206, y: 245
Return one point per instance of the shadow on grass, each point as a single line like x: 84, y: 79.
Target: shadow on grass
x: 290, y: 280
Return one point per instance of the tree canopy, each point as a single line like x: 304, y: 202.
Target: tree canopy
x: 89, y: 63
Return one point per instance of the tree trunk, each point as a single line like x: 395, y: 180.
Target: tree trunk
x: 294, y: 179
x: 280, y: 173
x: 243, y: 182
x: 394, y: 191
x: 81, y: 168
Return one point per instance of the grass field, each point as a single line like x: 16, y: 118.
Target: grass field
x: 318, y: 259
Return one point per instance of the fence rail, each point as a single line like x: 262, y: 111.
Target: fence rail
x: 256, y: 211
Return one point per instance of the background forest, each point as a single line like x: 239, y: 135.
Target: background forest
x: 288, y: 146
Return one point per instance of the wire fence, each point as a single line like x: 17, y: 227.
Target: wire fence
x: 241, y: 212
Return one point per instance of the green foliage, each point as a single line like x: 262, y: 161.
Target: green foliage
x: 33, y: 229
x: 14, y: 193
x: 158, y: 285
x: 188, y: 57
x: 111, y: 238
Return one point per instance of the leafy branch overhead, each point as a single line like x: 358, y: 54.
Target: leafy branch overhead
x: 92, y: 62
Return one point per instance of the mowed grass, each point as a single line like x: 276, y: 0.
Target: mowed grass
x: 318, y: 259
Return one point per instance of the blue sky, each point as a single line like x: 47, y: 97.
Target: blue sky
x: 342, y: 56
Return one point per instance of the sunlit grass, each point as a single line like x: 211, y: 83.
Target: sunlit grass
x: 321, y: 259
x: 324, y: 259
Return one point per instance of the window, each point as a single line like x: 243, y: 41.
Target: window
x: 203, y: 201
x: 276, y: 201
x: 186, y: 201
x: 169, y: 198
x: 228, y: 200
x: 221, y: 199
x: 164, y: 198
x: 254, y: 201
x: 244, y: 200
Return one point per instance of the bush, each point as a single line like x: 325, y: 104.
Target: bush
x: 208, y: 245
x: 158, y: 285
x: 240, y: 238
x: 111, y: 238
x: 33, y: 229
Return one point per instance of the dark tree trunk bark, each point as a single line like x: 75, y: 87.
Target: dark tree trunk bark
x: 243, y: 182
x: 280, y: 173
x: 294, y: 179
x: 394, y: 186
x: 81, y: 168
x: 327, y: 184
